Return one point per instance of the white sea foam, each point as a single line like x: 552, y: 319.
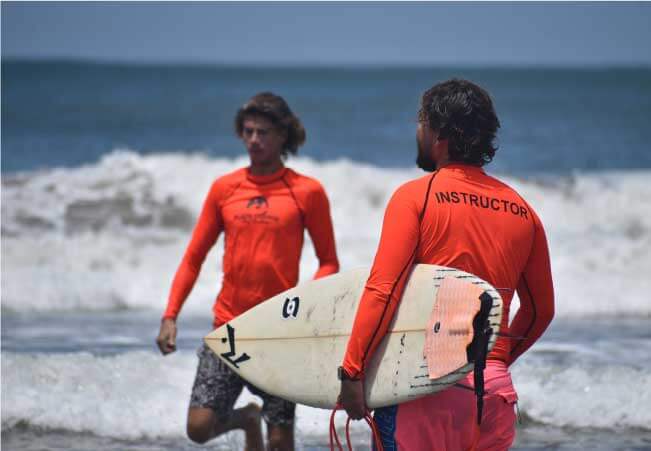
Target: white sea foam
x: 143, y: 395
x: 606, y: 396
x: 128, y: 396
x: 110, y: 235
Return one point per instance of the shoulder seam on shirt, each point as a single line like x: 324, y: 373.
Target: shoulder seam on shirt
x: 298, y: 205
x: 533, y: 319
x: 422, y: 213
x: 230, y: 188
x: 310, y: 182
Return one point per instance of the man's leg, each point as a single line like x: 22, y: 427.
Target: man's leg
x: 279, y: 415
x: 447, y: 420
x: 385, y: 420
x: 203, y: 425
x: 211, y: 412
x: 436, y: 422
x: 280, y: 437
x: 498, y: 422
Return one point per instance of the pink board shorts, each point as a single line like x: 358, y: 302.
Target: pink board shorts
x: 447, y: 421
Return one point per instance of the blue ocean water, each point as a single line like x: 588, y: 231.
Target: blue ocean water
x: 58, y: 113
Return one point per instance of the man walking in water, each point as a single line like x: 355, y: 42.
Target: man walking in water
x: 460, y: 217
x: 263, y: 211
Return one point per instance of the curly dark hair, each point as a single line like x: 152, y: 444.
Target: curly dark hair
x: 463, y: 113
x: 274, y: 108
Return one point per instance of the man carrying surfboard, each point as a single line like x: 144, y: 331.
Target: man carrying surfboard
x: 263, y: 211
x: 457, y: 216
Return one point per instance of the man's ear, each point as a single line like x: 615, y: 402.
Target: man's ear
x: 440, y: 137
x: 440, y: 148
x: 285, y: 135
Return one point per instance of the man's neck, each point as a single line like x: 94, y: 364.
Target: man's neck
x: 448, y: 163
x: 266, y: 169
x: 443, y: 162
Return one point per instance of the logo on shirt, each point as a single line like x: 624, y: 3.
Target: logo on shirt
x: 290, y: 308
x: 479, y: 201
x: 257, y: 212
x: 258, y: 202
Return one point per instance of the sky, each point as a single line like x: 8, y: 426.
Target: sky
x: 371, y: 33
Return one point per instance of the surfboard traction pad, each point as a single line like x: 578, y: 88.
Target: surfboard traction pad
x: 450, y: 330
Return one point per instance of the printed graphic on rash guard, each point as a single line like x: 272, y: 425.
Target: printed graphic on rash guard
x: 479, y: 201
x: 258, y: 202
x: 257, y: 218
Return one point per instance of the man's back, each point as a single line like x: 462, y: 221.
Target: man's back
x: 460, y: 217
x: 478, y: 224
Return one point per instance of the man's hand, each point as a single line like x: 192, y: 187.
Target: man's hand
x: 351, y: 398
x: 166, y: 340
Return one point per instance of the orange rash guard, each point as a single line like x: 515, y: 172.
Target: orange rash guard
x: 462, y: 218
x: 263, y: 218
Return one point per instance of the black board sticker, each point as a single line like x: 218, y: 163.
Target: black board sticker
x: 228, y: 356
x: 290, y: 308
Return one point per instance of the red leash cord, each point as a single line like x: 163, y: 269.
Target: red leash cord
x: 333, y: 431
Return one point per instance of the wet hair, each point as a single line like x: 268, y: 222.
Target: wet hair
x: 462, y: 113
x: 274, y: 108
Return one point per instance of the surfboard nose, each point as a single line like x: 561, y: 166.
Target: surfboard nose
x: 222, y: 342
x: 217, y: 340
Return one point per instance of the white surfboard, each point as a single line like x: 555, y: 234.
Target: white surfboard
x: 291, y: 345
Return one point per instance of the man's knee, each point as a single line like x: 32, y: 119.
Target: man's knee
x: 199, y: 434
x: 201, y: 425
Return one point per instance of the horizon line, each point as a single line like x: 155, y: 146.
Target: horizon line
x: 320, y: 65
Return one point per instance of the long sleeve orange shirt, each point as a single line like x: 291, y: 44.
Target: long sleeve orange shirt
x: 462, y: 218
x: 263, y: 219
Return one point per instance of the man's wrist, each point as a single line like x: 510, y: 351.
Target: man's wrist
x: 343, y: 375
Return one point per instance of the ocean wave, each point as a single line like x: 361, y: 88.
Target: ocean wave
x: 142, y: 394
x: 127, y: 396
x: 584, y: 396
x: 109, y: 236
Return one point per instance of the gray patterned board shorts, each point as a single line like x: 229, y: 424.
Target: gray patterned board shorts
x: 216, y: 386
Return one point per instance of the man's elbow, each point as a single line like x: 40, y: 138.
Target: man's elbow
x: 332, y: 267
x: 327, y: 268
x: 546, y: 315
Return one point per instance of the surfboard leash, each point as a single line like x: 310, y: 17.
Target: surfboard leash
x: 333, y: 431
